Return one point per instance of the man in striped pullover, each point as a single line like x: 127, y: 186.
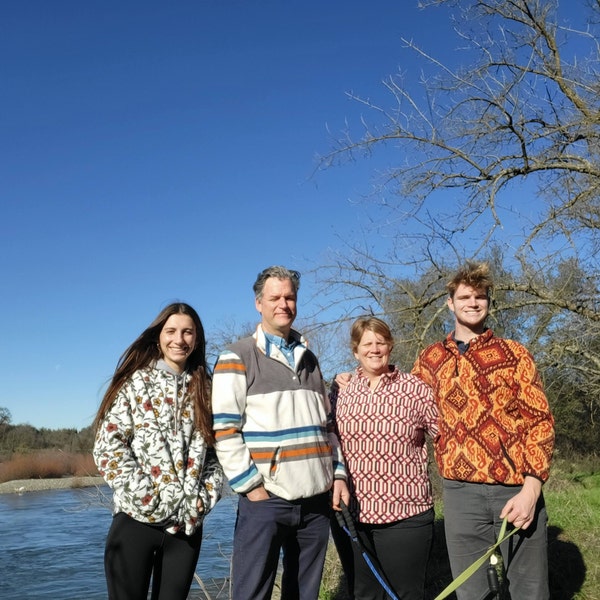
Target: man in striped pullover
x: 495, y: 442
x: 270, y: 414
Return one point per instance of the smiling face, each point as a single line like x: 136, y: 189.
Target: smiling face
x: 177, y: 340
x: 373, y: 353
x: 277, y: 305
x: 470, y: 307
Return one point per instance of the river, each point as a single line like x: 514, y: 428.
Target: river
x: 52, y: 545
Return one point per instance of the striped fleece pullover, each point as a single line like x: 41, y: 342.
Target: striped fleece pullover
x: 270, y: 420
x: 495, y: 424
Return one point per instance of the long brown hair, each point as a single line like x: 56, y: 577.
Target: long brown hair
x: 145, y: 350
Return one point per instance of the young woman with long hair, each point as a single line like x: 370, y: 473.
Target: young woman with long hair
x: 153, y: 446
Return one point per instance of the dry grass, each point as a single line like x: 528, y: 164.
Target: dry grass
x: 46, y: 465
x: 333, y: 584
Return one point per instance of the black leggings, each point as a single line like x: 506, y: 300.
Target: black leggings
x: 401, y: 548
x: 136, y: 551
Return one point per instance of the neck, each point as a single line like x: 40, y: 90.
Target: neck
x: 373, y: 378
x: 179, y: 369
x: 466, y: 334
x: 285, y: 334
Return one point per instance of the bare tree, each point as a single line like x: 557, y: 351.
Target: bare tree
x: 496, y: 154
x: 525, y: 106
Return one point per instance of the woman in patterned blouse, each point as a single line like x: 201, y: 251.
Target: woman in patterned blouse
x: 381, y: 417
x: 152, y: 446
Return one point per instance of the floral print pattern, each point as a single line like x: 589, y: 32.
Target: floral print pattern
x: 150, y: 454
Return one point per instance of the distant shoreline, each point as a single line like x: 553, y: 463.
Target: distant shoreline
x: 21, y: 486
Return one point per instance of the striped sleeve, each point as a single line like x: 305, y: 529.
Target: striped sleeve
x: 339, y: 467
x: 229, y: 391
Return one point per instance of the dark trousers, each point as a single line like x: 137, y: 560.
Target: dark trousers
x: 136, y: 552
x: 263, y: 529
x: 401, y: 550
x: 472, y: 524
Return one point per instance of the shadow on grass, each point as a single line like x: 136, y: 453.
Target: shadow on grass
x: 566, y: 565
x: 438, y: 569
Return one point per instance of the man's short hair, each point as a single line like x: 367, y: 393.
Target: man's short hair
x: 474, y: 274
x: 279, y: 273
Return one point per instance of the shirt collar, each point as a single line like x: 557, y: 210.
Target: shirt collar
x: 281, y: 343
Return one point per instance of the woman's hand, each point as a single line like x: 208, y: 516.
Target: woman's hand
x: 340, y: 493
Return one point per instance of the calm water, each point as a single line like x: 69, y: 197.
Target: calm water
x: 52, y: 544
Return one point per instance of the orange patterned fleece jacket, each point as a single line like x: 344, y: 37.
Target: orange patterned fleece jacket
x: 495, y: 423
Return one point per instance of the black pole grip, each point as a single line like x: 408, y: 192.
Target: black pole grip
x: 349, y: 520
x: 492, y: 577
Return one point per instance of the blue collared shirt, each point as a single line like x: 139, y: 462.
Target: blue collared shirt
x: 287, y: 348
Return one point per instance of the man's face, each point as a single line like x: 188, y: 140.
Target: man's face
x: 277, y: 306
x: 470, y: 307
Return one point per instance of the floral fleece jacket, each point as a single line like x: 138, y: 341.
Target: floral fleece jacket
x: 148, y: 451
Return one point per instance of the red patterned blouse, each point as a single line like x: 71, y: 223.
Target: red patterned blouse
x: 382, y: 435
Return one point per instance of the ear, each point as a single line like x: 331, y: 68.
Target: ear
x: 258, y: 305
x: 450, y: 303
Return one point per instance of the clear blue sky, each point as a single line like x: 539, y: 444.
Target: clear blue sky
x: 155, y: 151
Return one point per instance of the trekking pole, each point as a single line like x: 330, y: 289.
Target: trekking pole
x: 344, y: 518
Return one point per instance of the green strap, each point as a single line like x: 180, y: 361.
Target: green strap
x: 502, y: 537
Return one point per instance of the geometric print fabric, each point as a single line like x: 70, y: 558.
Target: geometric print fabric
x: 496, y: 425
x: 382, y: 436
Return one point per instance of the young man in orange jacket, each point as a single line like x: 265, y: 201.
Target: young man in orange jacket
x: 495, y: 442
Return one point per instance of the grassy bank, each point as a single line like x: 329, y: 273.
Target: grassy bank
x: 573, y: 501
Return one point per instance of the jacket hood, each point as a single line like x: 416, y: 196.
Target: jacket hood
x: 161, y: 365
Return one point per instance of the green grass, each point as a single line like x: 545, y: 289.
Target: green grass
x: 573, y: 502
